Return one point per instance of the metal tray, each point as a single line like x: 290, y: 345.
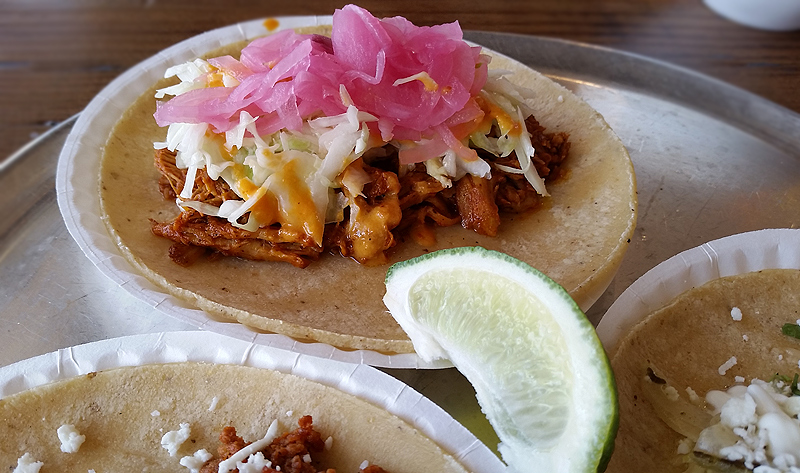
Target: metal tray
x: 711, y: 160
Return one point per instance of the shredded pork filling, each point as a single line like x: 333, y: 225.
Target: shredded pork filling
x: 396, y: 203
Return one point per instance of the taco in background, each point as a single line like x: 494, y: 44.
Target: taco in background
x: 724, y: 334
x: 131, y: 419
x: 577, y: 234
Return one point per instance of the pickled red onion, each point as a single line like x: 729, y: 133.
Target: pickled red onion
x: 286, y: 78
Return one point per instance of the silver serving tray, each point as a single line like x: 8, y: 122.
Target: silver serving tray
x: 711, y: 160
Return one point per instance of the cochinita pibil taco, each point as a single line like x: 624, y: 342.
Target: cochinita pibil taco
x: 273, y: 182
x: 203, y: 417
x: 709, y: 383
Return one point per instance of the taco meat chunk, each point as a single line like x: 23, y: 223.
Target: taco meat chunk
x: 194, y: 232
x: 398, y: 201
x: 291, y: 452
x: 476, y: 205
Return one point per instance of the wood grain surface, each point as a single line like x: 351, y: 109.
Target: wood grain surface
x: 56, y: 55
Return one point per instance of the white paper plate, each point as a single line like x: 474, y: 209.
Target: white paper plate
x: 361, y: 381
x: 78, y: 195
x: 737, y: 254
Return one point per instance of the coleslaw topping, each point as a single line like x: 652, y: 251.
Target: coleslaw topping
x: 282, y: 124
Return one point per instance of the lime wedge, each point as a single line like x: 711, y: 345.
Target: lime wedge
x: 539, y: 371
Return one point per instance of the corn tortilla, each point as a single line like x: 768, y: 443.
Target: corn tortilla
x: 124, y: 412
x: 687, y: 341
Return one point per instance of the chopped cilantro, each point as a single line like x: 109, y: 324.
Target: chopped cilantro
x: 792, y: 330
x: 792, y: 383
x: 779, y: 377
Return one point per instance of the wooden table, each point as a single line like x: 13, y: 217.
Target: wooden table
x: 55, y: 56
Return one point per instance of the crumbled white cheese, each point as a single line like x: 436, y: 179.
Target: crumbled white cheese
x: 328, y: 443
x: 693, y: 397
x: 792, y: 406
x: 761, y: 416
x: 364, y: 464
x: 739, y: 412
x: 727, y: 365
x: 289, y: 413
x: 214, y: 403
x: 560, y: 98
x: 671, y: 393
x: 745, y: 337
x: 71, y: 439
x: 231, y: 462
x: 196, y: 461
x: 307, y: 458
x: 685, y: 446
x: 784, y: 462
x: 26, y: 464
x: 255, y: 464
x: 155, y: 413
x: 736, y: 314
x: 172, y: 440
x: 740, y: 452
x: 738, y: 379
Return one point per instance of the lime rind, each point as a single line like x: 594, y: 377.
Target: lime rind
x: 577, y: 434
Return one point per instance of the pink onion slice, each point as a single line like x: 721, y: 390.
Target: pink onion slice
x: 414, y: 79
